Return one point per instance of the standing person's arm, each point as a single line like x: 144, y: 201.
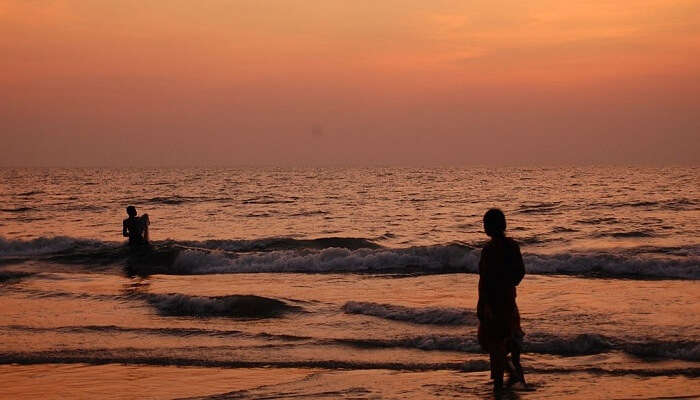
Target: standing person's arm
x: 518, y: 265
x: 145, y: 221
x: 125, y: 231
x: 483, y: 310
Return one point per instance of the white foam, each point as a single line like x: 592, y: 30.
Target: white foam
x: 435, y: 259
x: 14, y: 248
x: 224, y: 256
x: 424, y: 259
x: 608, y: 264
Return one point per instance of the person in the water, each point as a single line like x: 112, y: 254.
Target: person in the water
x: 136, y: 228
x: 501, y: 269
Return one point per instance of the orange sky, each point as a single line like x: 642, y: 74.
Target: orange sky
x: 178, y: 82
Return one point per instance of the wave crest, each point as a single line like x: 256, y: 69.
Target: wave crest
x: 427, y: 315
x: 579, y: 345
x: 240, y: 306
x: 429, y: 259
x: 40, y: 246
x: 354, y: 255
x: 623, y: 264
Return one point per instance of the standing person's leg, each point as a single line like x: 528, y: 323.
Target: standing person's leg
x: 515, y: 357
x: 498, y: 364
x: 514, y: 347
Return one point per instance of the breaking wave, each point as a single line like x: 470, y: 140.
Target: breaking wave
x: 239, y: 306
x: 429, y: 259
x: 628, y: 263
x: 585, y: 344
x: 353, y: 255
x: 40, y: 246
x: 441, y: 259
x: 426, y: 315
x: 579, y: 345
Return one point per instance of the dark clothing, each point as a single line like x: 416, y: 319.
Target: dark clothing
x: 136, y: 229
x: 501, y: 269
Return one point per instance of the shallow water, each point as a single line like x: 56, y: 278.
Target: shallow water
x: 232, y: 305
x: 596, y: 330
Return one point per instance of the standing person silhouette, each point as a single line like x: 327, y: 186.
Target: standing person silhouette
x: 136, y: 228
x: 501, y: 269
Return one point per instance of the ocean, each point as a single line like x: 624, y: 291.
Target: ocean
x: 330, y: 283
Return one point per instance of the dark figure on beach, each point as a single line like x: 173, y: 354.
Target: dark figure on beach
x: 143, y: 258
x: 136, y: 228
x: 501, y: 269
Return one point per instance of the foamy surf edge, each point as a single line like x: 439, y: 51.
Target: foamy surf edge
x: 354, y: 255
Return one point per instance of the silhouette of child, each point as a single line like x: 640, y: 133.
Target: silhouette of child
x: 501, y: 269
x: 136, y: 228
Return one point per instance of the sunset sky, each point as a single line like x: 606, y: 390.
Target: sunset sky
x: 409, y: 82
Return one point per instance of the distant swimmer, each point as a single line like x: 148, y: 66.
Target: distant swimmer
x: 136, y: 228
x: 501, y: 269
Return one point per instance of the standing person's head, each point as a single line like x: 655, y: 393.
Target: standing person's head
x: 131, y: 211
x: 495, y: 223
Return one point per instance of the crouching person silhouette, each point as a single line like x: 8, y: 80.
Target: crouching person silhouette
x: 501, y: 269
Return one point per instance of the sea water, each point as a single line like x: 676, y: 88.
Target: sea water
x: 344, y: 282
